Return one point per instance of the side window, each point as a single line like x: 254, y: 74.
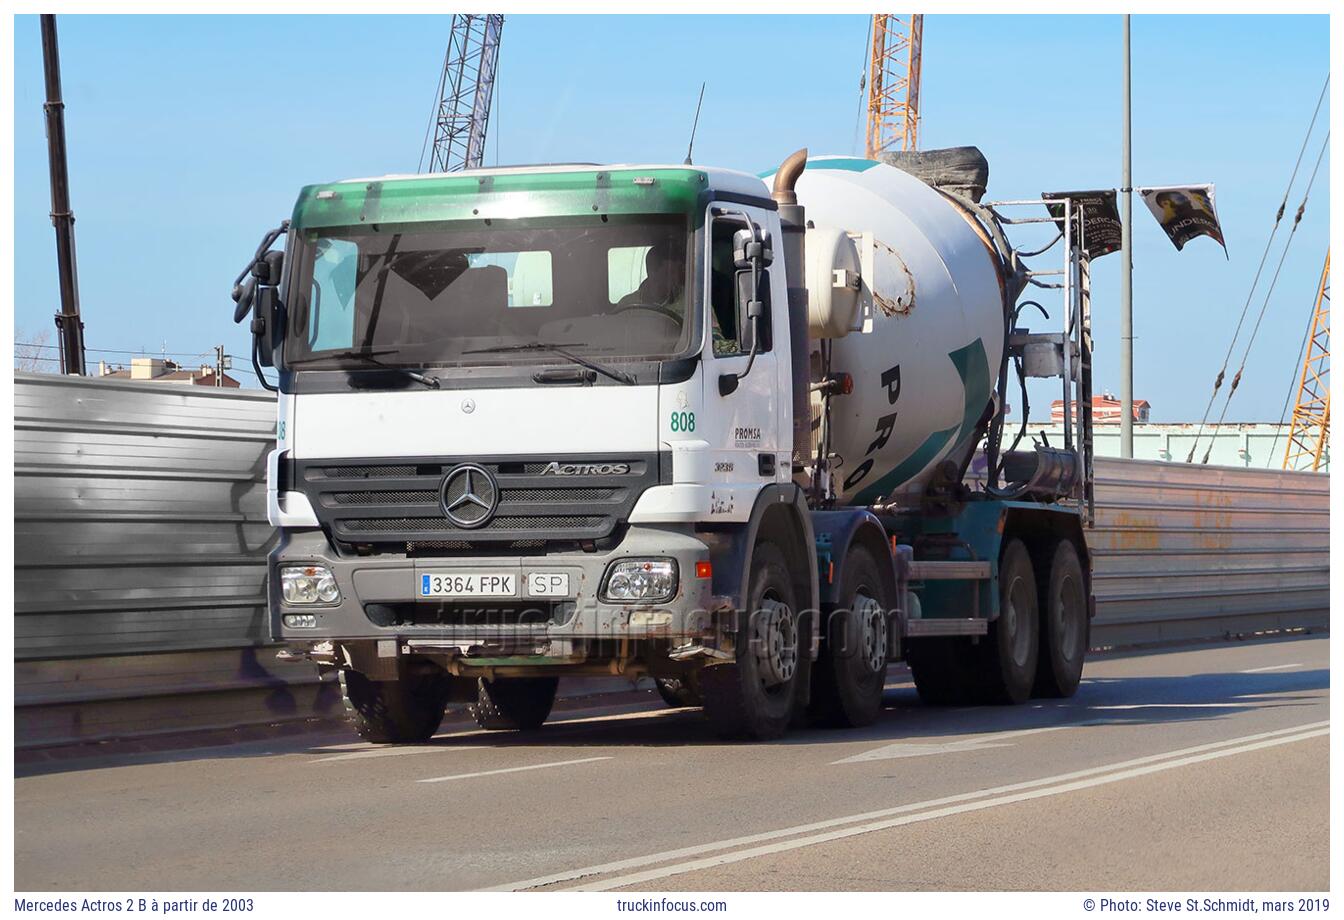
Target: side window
x: 729, y: 292
x: 625, y: 271
x: 331, y: 308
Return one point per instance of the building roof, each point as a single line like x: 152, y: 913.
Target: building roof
x: 201, y: 377
x: 1105, y: 401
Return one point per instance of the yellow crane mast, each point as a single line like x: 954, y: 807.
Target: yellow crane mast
x: 893, y: 83
x: 1310, y: 432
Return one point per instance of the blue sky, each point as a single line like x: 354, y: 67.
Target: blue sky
x: 190, y: 136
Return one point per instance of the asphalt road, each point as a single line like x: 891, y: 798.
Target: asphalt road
x: 1199, y: 768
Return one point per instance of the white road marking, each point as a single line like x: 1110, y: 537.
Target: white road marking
x: 535, y: 766
x: 1173, y: 706
x: 981, y: 742
x: 1273, y: 667
x: 912, y: 749
x: 397, y: 752
x: 741, y: 855
x: 638, y: 861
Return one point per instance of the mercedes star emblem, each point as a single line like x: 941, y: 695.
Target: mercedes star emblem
x: 469, y: 495
x: 468, y: 405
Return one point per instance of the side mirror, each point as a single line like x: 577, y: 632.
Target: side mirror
x: 243, y: 294
x: 269, y: 268
x: 267, y: 323
x: 752, y: 246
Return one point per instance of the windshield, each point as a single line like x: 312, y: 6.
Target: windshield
x: 491, y: 292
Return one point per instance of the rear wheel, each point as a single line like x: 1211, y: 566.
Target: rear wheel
x: 514, y: 703
x: 396, y: 711
x: 1064, y: 625
x: 1009, y: 652
x: 754, y: 697
x: 943, y: 668
x: 851, y: 671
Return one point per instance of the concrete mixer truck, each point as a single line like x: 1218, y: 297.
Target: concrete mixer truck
x: 741, y: 435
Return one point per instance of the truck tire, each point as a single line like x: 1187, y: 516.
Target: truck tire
x: 754, y: 696
x: 944, y: 669
x: 1063, y: 626
x: 680, y: 692
x: 851, y: 671
x: 1010, y: 651
x: 401, y: 711
x: 513, y: 703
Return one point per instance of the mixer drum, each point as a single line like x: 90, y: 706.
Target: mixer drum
x: 931, y: 327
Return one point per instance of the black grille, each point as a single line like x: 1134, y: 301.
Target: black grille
x: 424, y: 497
x: 367, y: 472
x: 519, y: 614
x: 395, y: 505
x: 427, y: 497
x: 560, y: 523
x: 435, y: 547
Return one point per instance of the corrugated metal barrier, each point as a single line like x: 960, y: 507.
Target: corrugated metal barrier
x: 141, y: 536
x: 1185, y: 551
x: 140, y: 540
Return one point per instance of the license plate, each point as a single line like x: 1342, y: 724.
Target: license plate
x: 468, y: 584
x: 548, y: 584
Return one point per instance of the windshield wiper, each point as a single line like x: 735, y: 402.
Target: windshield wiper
x: 370, y: 357
x: 619, y: 376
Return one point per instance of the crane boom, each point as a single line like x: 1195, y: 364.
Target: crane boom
x: 893, y: 83
x: 1310, y: 430
x: 466, y: 87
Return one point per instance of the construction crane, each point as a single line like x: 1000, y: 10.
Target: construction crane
x: 893, y: 84
x: 1310, y: 432
x: 466, y: 88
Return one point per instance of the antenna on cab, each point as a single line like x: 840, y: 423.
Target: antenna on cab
x: 695, y: 124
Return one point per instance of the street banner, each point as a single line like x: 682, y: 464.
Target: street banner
x: 1101, y: 220
x: 1185, y: 212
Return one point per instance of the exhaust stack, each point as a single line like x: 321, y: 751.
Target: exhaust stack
x: 793, y: 222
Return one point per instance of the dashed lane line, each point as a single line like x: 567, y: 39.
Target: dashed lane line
x: 535, y: 766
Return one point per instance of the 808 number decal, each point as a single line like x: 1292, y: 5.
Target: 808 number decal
x: 683, y: 421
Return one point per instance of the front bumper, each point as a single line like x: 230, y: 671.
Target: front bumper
x: 380, y: 598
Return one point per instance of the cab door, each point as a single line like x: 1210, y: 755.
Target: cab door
x: 748, y: 421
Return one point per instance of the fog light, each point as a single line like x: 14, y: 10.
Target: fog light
x: 300, y: 620
x: 640, y: 581
x: 307, y: 585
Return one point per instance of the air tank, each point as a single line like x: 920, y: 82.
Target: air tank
x: 909, y: 296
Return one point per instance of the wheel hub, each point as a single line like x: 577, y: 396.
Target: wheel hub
x: 872, y: 631
x: 776, y: 643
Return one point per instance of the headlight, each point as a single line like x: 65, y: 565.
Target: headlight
x: 640, y: 581
x: 309, y: 584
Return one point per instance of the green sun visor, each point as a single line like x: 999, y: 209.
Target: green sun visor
x: 506, y: 196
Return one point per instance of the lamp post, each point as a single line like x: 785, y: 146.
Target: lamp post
x: 1126, y: 271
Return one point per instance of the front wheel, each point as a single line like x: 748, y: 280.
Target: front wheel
x: 851, y: 672
x: 514, y: 703
x: 680, y: 692
x: 396, y: 711
x: 754, y: 697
